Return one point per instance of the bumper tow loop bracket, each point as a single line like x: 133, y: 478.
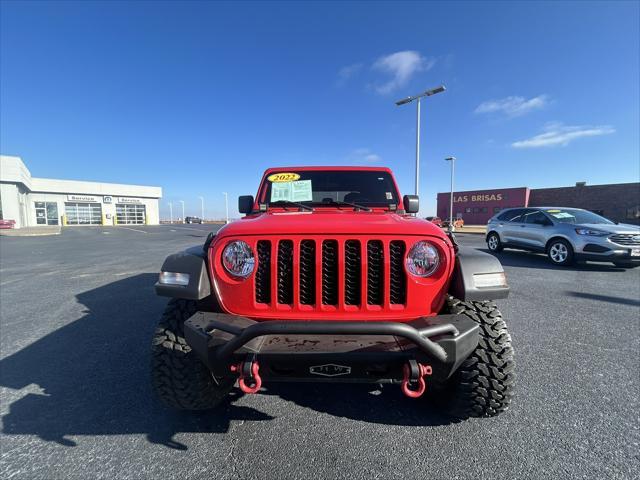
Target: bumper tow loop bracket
x: 413, y: 382
x: 248, y: 375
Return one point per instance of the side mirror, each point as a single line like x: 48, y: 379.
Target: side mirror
x: 245, y: 203
x: 411, y: 203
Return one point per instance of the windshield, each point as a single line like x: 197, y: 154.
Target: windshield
x: 570, y: 215
x: 316, y: 187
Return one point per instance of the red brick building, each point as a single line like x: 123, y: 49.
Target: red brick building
x: 619, y: 202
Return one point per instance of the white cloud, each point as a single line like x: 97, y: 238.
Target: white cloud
x: 513, y: 106
x: 557, y: 134
x: 345, y: 73
x: 401, y: 66
x: 364, y: 155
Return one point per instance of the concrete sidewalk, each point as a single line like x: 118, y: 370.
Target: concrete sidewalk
x: 479, y: 229
x: 31, y: 231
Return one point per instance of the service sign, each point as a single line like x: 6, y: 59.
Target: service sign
x: 82, y: 198
x: 129, y: 200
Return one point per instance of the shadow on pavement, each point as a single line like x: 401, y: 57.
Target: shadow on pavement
x: 605, y: 298
x: 362, y: 402
x: 93, y: 375
x: 523, y: 259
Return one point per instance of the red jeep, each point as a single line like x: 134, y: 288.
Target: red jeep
x: 329, y: 277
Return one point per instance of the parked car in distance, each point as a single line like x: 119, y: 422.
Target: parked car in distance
x: 192, y: 220
x: 457, y: 223
x: 565, y: 235
x: 7, y: 223
x: 435, y: 220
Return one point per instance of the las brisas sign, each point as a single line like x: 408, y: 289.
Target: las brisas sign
x: 484, y: 197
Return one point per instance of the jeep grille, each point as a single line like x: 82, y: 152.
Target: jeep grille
x: 331, y: 272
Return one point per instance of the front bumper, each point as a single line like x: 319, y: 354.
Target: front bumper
x: 618, y: 254
x: 335, y: 351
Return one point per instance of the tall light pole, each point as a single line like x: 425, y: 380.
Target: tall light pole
x: 404, y: 101
x: 202, y: 205
x: 226, y: 205
x: 182, y: 202
x: 453, y: 166
x: 170, y: 212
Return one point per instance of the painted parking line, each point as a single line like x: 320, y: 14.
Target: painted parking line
x: 203, y: 230
x: 133, y: 229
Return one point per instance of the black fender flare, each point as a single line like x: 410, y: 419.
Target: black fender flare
x: 192, y: 261
x: 470, y: 262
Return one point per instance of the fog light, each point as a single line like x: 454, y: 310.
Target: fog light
x: 173, y: 278
x: 484, y: 280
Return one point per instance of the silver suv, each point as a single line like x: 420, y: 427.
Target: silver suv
x: 565, y: 235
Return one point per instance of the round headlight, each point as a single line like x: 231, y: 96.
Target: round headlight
x: 238, y: 259
x: 423, y: 259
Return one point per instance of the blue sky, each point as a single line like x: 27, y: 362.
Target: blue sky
x: 200, y: 97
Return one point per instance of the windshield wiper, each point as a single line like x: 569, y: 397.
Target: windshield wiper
x: 289, y: 202
x: 354, y: 205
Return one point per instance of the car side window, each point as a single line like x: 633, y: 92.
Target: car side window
x: 512, y: 215
x: 536, y: 217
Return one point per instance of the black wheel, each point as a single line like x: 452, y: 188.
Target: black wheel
x: 494, y: 243
x: 560, y: 252
x: 178, y: 376
x: 483, y: 385
x: 626, y: 264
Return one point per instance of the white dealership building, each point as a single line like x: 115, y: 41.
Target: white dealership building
x: 33, y: 202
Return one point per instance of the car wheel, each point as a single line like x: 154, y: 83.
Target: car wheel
x: 494, y: 243
x: 178, y: 376
x: 560, y: 252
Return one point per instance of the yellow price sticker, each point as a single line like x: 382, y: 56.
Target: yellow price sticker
x: 283, y: 177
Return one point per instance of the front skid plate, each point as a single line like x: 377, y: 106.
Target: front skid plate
x: 329, y: 358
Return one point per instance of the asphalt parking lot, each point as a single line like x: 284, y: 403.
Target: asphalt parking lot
x: 77, y: 314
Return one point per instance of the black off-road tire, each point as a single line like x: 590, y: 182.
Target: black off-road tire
x: 178, y: 376
x: 483, y: 385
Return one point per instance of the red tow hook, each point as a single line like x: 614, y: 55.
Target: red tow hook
x: 414, y: 372
x: 248, y: 370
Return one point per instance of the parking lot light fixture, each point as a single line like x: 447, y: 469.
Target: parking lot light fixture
x: 404, y: 101
x: 182, y: 202
x: 453, y: 164
x: 202, y: 207
x: 170, y: 212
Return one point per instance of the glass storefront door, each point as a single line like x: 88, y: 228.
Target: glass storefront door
x: 46, y: 213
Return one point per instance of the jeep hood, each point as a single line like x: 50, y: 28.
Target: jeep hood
x: 330, y: 223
